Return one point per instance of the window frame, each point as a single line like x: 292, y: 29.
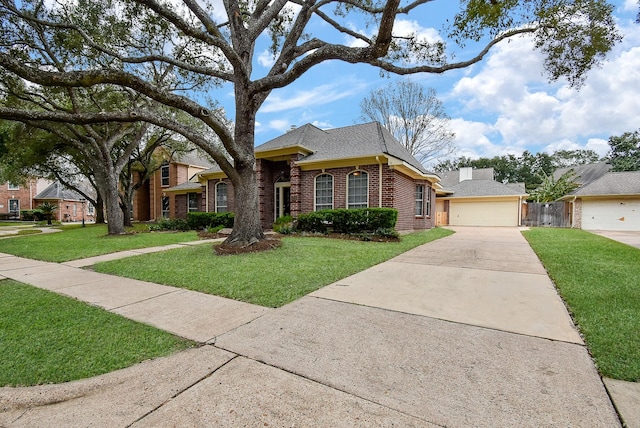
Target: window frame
x: 325, y: 206
x: 165, y: 178
x: 12, y: 186
x: 428, y: 201
x: 191, y: 209
x: 226, y: 197
x: 17, y: 201
x: 165, y: 213
x: 419, y: 210
x: 352, y: 205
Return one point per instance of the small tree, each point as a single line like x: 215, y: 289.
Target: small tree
x: 551, y: 189
x: 47, y: 209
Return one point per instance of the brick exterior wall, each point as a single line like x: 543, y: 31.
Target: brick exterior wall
x: 23, y: 194
x: 577, y: 214
x: 212, y: 195
x: 398, y: 191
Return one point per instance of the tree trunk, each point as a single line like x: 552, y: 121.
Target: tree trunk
x: 108, y: 187
x: 99, y: 210
x: 247, y: 228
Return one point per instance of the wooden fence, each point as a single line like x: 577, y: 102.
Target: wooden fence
x: 547, y: 214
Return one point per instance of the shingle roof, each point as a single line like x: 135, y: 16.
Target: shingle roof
x: 194, y: 157
x: 354, y: 141
x: 477, y: 188
x: 57, y: 191
x: 188, y: 185
x: 585, y: 174
x: 451, y: 178
x: 613, y: 183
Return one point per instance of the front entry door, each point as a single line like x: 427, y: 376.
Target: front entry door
x: 282, y: 199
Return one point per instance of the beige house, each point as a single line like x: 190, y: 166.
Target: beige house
x: 610, y: 202
x: 473, y: 198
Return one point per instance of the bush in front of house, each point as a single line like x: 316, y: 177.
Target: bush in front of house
x: 31, y: 215
x: 284, y: 225
x: 170, y: 224
x: 351, y: 221
x: 205, y: 220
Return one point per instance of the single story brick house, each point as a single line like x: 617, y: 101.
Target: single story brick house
x: 471, y: 197
x: 310, y: 169
x: 609, y: 202
x: 71, y: 206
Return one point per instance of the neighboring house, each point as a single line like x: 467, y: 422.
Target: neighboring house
x: 473, y: 198
x: 608, y: 202
x: 158, y: 197
x: 17, y: 197
x: 72, y: 207
x: 310, y: 169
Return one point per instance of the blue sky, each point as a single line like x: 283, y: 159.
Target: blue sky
x: 502, y: 105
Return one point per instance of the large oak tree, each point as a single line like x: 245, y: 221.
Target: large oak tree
x: 108, y: 42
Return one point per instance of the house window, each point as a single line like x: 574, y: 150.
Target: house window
x: 192, y: 202
x: 358, y: 189
x: 221, y: 197
x: 165, y: 206
x: 90, y: 209
x: 75, y: 210
x: 14, y: 207
x: 428, y: 203
x: 11, y: 186
x: 419, y: 200
x: 324, y: 192
x: 164, y: 173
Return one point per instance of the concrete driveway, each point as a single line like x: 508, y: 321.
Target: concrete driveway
x: 626, y: 237
x: 464, y: 331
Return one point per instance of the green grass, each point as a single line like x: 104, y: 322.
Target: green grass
x: 271, y: 278
x: 76, y: 242
x: 48, y: 338
x: 29, y: 232
x: 600, y: 281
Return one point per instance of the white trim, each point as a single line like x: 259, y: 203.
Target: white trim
x: 216, y: 205
x: 347, y: 187
x: 333, y: 190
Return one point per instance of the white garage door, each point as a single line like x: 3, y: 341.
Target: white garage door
x: 618, y: 214
x: 494, y: 213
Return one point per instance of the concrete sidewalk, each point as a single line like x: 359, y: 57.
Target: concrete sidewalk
x: 464, y: 331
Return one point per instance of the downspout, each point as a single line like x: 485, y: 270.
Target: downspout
x: 379, y: 181
x: 519, y: 211
x: 573, y: 211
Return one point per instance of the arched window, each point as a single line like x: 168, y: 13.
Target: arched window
x: 324, y: 192
x: 221, y: 197
x: 358, y: 189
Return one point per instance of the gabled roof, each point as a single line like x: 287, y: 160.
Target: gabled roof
x: 451, y: 178
x: 612, y: 184
x: 57, y: 191
x: 193, y: 158
x: 186, y: 187
x: 485, y: 188
x: 585, y: 174
x: 350, y: 142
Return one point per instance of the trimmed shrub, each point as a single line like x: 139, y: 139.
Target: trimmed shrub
x: 204, y: 220
x: 348, y: 221
x: 170, y: 224
x: 31, y: 215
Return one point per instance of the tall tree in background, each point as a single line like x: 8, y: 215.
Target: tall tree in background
x: 625, y: 152
x: 415, y: 116
x: 120, y: 43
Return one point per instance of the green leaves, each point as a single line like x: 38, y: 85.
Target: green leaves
x: 625, y: 152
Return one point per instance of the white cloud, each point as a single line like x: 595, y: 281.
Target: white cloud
x: 318, y: 95
x: 281, y: 125
x: 527, y: 112
x: 266, y: 58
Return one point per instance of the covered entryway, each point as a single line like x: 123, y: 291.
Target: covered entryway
x: 282, y: 202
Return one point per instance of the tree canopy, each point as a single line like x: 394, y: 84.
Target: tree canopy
x: 128, y: 43
x: 625, y: 152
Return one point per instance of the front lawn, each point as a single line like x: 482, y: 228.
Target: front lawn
x: 271, y: 278
x: 76, y: 242
x: 600, y: 281
x: 48, y: 338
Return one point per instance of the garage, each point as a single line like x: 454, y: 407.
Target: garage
x: 611, y: 214
x: 478, y: 212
